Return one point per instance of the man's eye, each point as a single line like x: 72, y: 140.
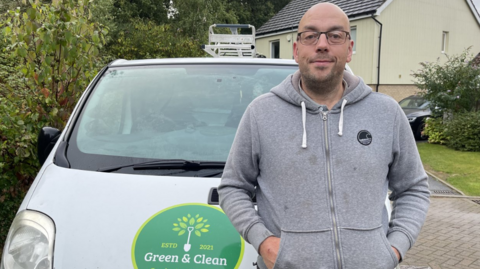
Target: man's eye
x: 335, y: 36
x: 309, y: 37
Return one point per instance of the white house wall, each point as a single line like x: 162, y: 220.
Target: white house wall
x: 286, y: 40
x: 412, y: 33
x: 364, y: 60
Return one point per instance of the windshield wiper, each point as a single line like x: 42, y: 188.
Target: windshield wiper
x: 209, y: 174
x: 168, y: 164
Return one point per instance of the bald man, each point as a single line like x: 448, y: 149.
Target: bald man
x: 320, y: 152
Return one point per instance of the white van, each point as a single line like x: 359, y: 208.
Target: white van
x: 131, y: 180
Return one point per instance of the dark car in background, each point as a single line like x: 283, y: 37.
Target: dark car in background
x: 417, y: 110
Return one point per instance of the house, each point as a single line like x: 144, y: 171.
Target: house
x: 391, y: 36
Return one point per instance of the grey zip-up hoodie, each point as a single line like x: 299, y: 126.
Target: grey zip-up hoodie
x: 321, y: 177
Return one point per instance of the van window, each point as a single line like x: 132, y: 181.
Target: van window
x: 167, y: 112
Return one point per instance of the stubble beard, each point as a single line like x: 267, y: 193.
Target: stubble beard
x: 321, y: 85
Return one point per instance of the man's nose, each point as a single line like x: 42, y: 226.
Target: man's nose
x: 322, y: 43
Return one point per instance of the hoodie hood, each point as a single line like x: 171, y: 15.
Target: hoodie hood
x: 289, y: 91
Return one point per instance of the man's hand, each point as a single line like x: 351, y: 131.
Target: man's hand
x: 396, y: 253
x: 268, y: 250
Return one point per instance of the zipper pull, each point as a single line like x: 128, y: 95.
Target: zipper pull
x: 324, y: 115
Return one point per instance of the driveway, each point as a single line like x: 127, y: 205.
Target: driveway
x: 450, y: 238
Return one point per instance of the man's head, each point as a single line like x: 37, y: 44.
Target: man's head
x: 322, y: 63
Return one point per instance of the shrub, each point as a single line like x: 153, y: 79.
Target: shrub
x: 18, y: 164
x: 16, y: 172
x: 463, y: 131
x: 57, y: 49
x: 435, y: 130
x: 54, y: 49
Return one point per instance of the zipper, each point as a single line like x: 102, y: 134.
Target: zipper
x: 330, y: 192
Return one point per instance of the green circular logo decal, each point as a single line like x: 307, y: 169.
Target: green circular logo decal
x: 188, y: 236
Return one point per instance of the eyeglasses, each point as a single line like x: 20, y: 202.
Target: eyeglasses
x: 336, y: 37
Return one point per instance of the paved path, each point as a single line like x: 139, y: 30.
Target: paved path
x: 450, y: 238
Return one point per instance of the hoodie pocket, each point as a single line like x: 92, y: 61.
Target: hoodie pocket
x: 366, y: 248
x: 299, y: 249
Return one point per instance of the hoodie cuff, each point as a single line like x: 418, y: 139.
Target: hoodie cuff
x: 400, y: 241
x: 257, y: 234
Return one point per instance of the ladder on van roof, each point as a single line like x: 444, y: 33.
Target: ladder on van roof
x: 230, y: 45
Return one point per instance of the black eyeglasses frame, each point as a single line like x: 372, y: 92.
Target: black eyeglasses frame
x: 320, y: 34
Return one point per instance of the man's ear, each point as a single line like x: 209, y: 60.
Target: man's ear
x: 295, y: 51
x: 350, y: 51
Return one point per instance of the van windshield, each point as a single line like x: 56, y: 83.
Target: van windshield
x: 188, y: 112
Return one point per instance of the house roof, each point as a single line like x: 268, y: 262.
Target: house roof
x: 474, y: 10
x: 289, y: 17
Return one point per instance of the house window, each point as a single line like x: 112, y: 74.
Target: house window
x: 353, y: 37
x: 275, y: 49
x: 444, y: 42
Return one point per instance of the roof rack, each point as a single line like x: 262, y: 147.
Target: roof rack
x: 230, y: 45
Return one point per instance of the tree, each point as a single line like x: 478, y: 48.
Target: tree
x: 102, y: 14
x: 253, y: 12
x: 162, y: 42
x: 256, y: 12
x: 193, y: 17
x: 454, y: 86
x: 181, y: 35
x: 150, y: 10
x: 122, y: 17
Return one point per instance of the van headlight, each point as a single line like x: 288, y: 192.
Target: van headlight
x: 29, y: 243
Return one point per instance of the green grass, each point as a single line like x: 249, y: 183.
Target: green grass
x: 460, y: 169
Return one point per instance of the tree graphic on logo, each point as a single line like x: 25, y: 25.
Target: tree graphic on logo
x: 190, y: 224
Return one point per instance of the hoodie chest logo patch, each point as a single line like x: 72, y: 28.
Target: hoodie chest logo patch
x: 364, y: 137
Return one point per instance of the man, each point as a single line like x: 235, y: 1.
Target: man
x: 320, y: 152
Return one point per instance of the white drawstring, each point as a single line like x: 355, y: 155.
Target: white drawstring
x: 304, y: 119
x: 340, y: 122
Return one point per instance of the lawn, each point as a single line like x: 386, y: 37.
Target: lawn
x: 460, y: 169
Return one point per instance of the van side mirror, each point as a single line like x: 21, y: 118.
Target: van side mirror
x: 47, y: 138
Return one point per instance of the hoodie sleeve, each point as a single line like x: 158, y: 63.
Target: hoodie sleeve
x: 409, y: 185
x: 240, y: 180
